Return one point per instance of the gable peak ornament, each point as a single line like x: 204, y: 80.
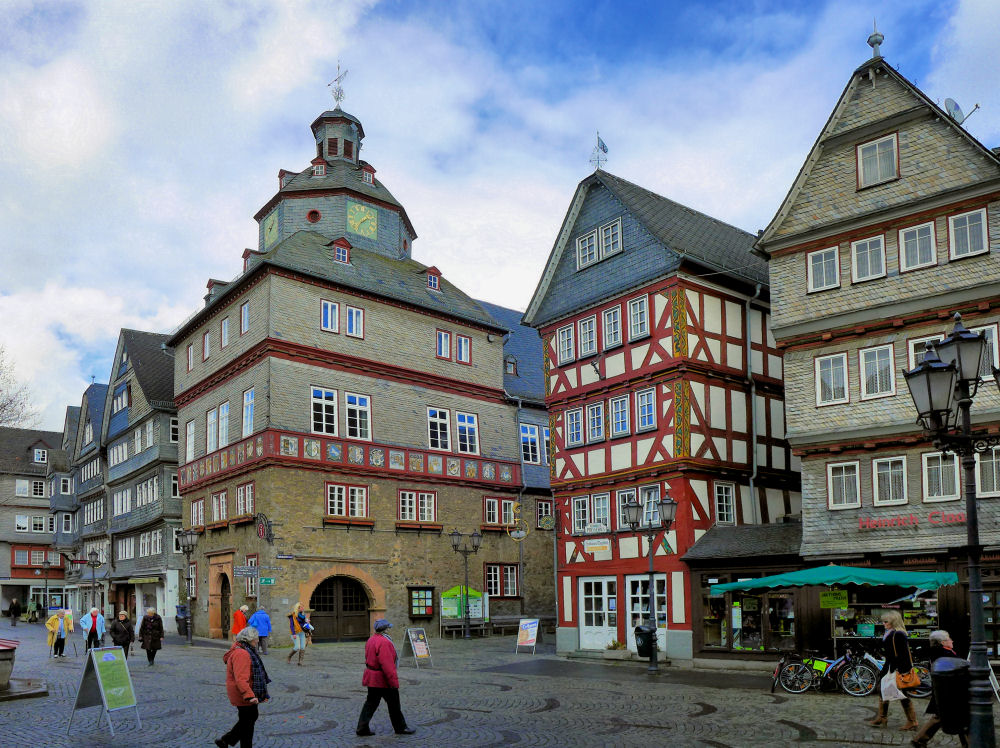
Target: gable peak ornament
x: 875, y: 40
x: 335, y: 85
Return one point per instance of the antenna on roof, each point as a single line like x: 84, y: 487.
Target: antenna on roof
x: 338, y: 90
x: 92, y: 379
x: 875, y: 40
x: 597, y: 156
x: 955, y: 111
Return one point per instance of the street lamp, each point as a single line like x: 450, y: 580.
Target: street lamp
x: 187, y: 539
x: 947, y: 378
x: 666, y: 510
x: 93, y: 562
x: 466, y: 545
x: 46, y: 565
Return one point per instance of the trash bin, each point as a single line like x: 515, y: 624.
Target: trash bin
x: 644, y: 640
x: 950, y: 678
x: 181, y: 620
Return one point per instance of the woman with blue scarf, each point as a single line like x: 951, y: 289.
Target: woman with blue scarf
x: 246, y: 686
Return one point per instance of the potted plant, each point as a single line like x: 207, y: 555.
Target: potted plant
x: 616, y: 650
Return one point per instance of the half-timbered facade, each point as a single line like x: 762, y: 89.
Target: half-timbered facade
x: 661, y: 376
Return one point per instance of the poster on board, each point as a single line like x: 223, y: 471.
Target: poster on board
x: 527, y: 634
x: 417, y: 639
x: 107, y: 683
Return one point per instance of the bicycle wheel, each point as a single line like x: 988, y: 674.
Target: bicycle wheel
x: 924, y: 689
x: 795, y: 678
x: 858, y: 679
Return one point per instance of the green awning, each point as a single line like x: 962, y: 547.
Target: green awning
x: 833, y: 575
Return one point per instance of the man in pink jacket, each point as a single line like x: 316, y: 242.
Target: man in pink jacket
x: 382, y: 681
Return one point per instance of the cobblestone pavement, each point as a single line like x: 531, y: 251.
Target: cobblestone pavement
x: 478, y: 693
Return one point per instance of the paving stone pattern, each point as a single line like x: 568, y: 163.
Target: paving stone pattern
x: 478, y: 693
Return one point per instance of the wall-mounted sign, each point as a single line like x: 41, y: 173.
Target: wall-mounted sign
x: 937, y: 518
x: 833, y: 599
x: 245, y: 571
x: 264, y: 529
x: 267, y: 580
x: 594, y: 545
x: 595, y: 527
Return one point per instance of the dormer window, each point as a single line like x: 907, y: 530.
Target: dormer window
x: 319, y: 170
x: 368, y: 177
x: 434, y: 282
x: 510, y: 365
x: 41, y: 455
x: 877, y: 161
x: 342, y: 254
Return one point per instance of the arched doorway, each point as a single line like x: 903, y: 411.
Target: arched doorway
x: 340, y: 610
x: 225, y: 593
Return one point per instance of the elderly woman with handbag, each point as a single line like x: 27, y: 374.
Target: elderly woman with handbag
x: 899, y: 664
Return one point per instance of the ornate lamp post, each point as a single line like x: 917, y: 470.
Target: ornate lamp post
x: 466, y: 545
x: 46, y: 565
x: 666, y: 510
x: 942, y: 387
x: 94, y: 560
x: 187, y: 540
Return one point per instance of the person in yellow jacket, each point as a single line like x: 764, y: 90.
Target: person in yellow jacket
x: 59, y: 626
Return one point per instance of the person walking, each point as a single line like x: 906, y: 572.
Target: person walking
x: 261, y: 621
x: 382, y: 681
x: 58, y: 626
x: 14, y: 611
x: 151, y: 634
x: 941, y: 646
x: 122, y: 632
x: 239, y: 620
x: 93, y: 628
x: 299, y: 626
x: 897, y: 660
x: 246, y: 686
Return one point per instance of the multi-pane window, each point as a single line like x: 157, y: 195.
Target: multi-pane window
x: 346, y: 501
x: 619, y: 416
x: 990, y: 351
x: 574, y: 427
x: 868, y: 256
x: 877, y: 161
x: 467, y: 427
x: 198, y: 513
x: 21, y: 557
x: 224, y: 425
x: 581, y: 513
x: 600, y: 510
x: 438, y: 433
x: 968, y: 234
x: 121, y: 502
x: 38, y: 523
x: 211, y: 430
x: 330, y: 316
x: 831, y: 379
x: 91, y: 470
x: 224, y: 332
x: 501, y: 580
x: 588, y: 336
x: 417, y: 506
x: 988, y: 474
x: 174, y: 486
x: 189, y: 441
x: 725, y: 503
x: 324, y: 411
x: 359, y: 416
x: 595, y: 422
x: 244, y: 317
x: 220, y: 507
x: 248, y: 412
x: 645, y: 409
x: 206, y: 346
x: 93, y: 511
x: 611, y: 238
x: 649, y: 497
x: 174, y: 430
x: 843, y: 489
x: 118, y: 453
x: 41, y: 455
x: 877, y: 379
x: 546, y: 444
x: 21, y: 523
x: 543, y: 509
x: 889, y: 480
x: 50, y: 524
x: 251, y: 581
x: 126, y: 548
x: 192, y: 579
x: 67, y: 523
x: 355, y: 322
x: 149, y: 434
x: 916, y: 247
x: 38, y: 489
x: 120, y: 399
x: 463, y: 349
x: 498, y: 511
x: 147, y: 491
x: 190, y: 357
x: 638, y: 318
x: 918, y: 349
x: 443, y: 344
x: 245, y: 499
x: 530, y: 451
x: 565, y: 349
x: 940, y: 477
x: 88, y: 432
x: 433, y: 282
x: 21, y: 487
x: 586, y: 250
x: 612, y: 327
x: 342, y: 255
x: 823, y: 269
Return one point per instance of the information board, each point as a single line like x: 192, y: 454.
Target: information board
x: 245, y: 571
x: 527, y: 634
x: 833, y: 599
x: 417, y: 639
x: 107, y: 683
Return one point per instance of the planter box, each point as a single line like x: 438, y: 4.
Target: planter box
x: 616, y: 654
x: 6, y: 664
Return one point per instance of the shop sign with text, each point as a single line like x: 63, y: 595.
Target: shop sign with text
x: 937, y: 518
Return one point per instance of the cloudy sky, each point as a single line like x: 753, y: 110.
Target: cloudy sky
x: 137, y: 139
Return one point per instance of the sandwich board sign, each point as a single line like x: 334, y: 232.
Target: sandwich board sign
x: 417, y: 639
x: 527, y: 634
x: 106, y: 683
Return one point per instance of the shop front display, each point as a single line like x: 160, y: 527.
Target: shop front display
x: 861, y: 619
x: 746, y: 621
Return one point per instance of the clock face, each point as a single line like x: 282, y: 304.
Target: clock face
x: 270, y: 229
x: 362, y: 220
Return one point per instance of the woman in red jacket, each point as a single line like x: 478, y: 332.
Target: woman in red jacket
x: 246, y: 686
x: 382, y: 681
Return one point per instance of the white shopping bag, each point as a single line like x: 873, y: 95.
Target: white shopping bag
x: 890, y: 691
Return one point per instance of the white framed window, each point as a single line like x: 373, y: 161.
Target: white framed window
x: 206, y: 346
x: 917, y: 348
x: 877, y: 376
x: 50, y: 524
x: 174, y: 430
x: 244, y: 317
x: 88, y: 432
x: 189, y: 441
x: 149, y: 434
x: 463, y: 349
x: 498, y: 511
x: 38, y: 489
x: 143, y: 544
x: 889, y: 481
x: 586, y: 250
x: 252, y: 581
x: 619, y: 416
x: 574, y: 427
x: 121, y: 399
x: 438, y: 429
x: 417, y: 506
x: 37, y: 523
x: 329, y: 316
x: 324, y: 411
x: 342, y: 255
x: 530, y: 451
x: 67, y: 523
x: 543, y: 508
x: 917, y: 247
x: 443, y: 349
x: 843, y: 485
x: 22, y: 487
x: 501, y: 580
x: 359, y: 416
x: 546, y: 444
x: 177, y: 539
x: 211, y: 431
x: 224, y: 425
x: 369, y: 177
x: 118, y: 453
x: 245, y: 503
x: 121, y: 502
x: 823, y: 269
x: 940, y: 475
x: 725, y: 503
x: 174, y: 487
x: 645, y: 409
x: 988, y: 472
x: 612, y: 327
x: 967, y: 234
x: 565, y: 348
x: 831, y: 379
x: 190, y: 357
x: 649, y: 497
x: 346, y: 501
x: 21, y: 523
x: 319, y: 170
x: 611, y: 238
x: 21, y: 557
x: 192, y: 580
x: 588, y: 336
x: 41, y: 455
x: 990, y: 352
x: 868, y: 259
x: 355, y: 322
x: 877, y: 161
x: 248, y: 412
x: 198, y: 513
x: 126, y: 548
x: 220, y: 506
x: 581, y: 513
x: 595, y: 422
x: 638, y: 318
x: 224, y: 332
x: 433, y: 282
x: 467, y: 431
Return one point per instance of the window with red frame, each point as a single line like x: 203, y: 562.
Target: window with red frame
x: 501, y: 580
x: 245, y: 499
x: 198, y: 513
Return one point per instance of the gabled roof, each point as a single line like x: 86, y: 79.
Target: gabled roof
x: 747, y: 541
x: 153, y: 363
x: 832, y: 130
x: 15, y: 446
x: 525, y: 345
x: 94, y: 397
x: 70, y: 425
x: 682, y: 232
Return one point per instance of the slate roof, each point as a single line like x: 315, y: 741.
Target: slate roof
x: 340, y: 173
x: 747, y: 541
x: 524, y: 344
x: 72, y: 424
x: 153, y: 366
x: 95, y: 394
x: 338, y: 113
x: 14, y: 446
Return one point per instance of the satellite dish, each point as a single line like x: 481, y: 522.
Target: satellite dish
x: 954, y: 110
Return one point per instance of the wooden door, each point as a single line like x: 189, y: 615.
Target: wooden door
x: 339, y: 610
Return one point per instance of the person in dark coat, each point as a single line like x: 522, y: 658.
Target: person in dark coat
x: 15, y: 611
x: 122, y: 633
x: 897, y: 660
x: 246, y: 686
x: 151, y: 633
x: 941, y: 646
x: 382, y: 681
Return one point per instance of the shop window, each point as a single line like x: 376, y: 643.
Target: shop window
x: 638, y: 601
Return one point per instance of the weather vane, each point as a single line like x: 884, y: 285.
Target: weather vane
x: 338, y: 90
x: 598, y: 157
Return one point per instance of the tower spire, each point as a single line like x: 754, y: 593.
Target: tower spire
x: 336, y: 88
x: 875, y: 40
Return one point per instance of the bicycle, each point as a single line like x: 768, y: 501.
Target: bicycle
x: 922, y: 669
x: 796, y: 674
